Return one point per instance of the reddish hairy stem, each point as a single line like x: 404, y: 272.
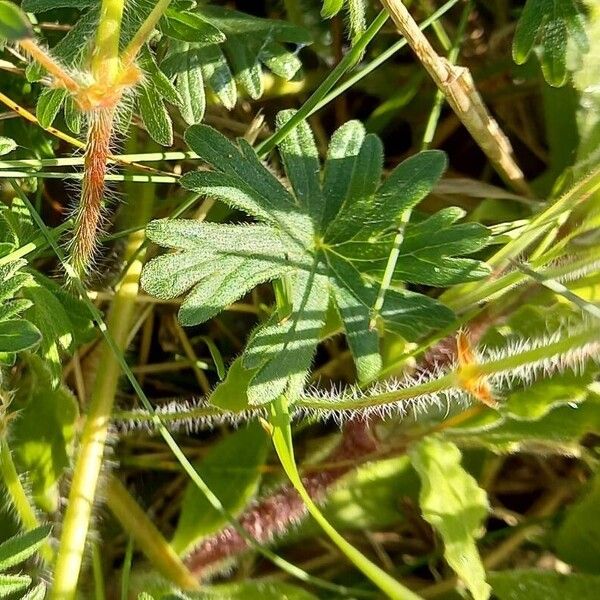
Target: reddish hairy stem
x: 88, y: 215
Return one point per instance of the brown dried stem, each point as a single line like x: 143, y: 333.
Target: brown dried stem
x: 459, y: 90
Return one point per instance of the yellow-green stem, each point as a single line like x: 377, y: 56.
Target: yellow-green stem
x: 93, y: 438
x: 105, y: 56
x: 143, y: 33
x: 147, y: 537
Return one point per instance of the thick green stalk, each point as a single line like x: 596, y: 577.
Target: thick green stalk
x: 93, y: 438
x: 105, y: 56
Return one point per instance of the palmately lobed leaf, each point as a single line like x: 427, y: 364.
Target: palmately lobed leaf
x: 328, y: 234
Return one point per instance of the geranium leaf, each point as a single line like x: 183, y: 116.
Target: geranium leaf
x: 321, y: 235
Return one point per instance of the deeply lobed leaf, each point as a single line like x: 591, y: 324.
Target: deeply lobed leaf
x: 327, y: 235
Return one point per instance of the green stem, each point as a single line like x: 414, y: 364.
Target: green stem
x: 143, y: 33
x: 452, y: 58
x: 282, y: 440
x: 450, y: 380
x: 105, y: 65
x: 390, y: 266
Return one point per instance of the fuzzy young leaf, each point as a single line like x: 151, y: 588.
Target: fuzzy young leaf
x: 356, y: 9
x: 554, y: 24
x: 306, y: 237
x: 453, y: 503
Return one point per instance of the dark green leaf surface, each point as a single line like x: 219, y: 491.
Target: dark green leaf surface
x: 554, y: 24
x: 21, y: 547
x: 313, y: 236
x: 577, y: 540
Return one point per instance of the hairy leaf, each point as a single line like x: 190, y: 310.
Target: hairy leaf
x: 316, y: 235
x: 453, y: 503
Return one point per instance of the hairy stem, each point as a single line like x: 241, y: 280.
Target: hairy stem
x: 45, y: 60
x: 88, y: 215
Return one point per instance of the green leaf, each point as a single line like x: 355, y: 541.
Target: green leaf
x: 558, y: 430
x: 235, y: 46
x: 17, y: 335
x: 11, y: 584
x: 6, y: 145
x: 533, y: 584
x: 43, y: 431
x: 190, y: 27
x: 14, y: 24
x: 49, y: 103
x: 454, y: 504
x: 232, y: 469
x: 555, y: 24
x: 577, y: 540
x: 232, y: 393
x: 322, y: 236
x: 19, y: 548
x: 36, y: 6
x: 183, y: 64
x: 331, y: 8
x: 36, y: 593
x: 154, y: 114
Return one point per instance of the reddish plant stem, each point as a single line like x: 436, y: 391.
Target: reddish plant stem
x: 88, y: 215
